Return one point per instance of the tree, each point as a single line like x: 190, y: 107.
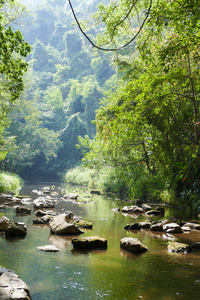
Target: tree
x: 153, y: 117
x: 13, y: 50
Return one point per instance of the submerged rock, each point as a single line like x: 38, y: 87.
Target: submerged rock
x: 12, y: 287
x: 92, y: 242
x: 132, y: 245
x: 179, y: 247
x: 59, y: 225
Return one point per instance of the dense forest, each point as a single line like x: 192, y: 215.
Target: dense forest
x: 63, y: 84
x: 142, y: 90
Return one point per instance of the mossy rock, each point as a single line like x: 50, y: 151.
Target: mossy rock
x: 179, y: 247
x: 83, y: 224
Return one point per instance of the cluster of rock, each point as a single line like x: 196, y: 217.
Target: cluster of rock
x: 68, y: 224
x: 144, y: 208
x: 162, y: 226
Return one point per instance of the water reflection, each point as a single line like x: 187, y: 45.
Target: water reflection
x: 61, y: 242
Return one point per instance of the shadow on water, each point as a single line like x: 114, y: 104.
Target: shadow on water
x: 100, y: 274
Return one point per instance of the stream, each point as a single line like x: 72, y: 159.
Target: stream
x: 107, y: 274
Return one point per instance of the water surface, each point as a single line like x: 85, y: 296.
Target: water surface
x: 108, y: 274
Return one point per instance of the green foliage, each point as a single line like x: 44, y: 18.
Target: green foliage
x: 13, y: 50
x: 62, y: 93
x: 149, y: 126
x: 31, y: 139
x: 9, y: 182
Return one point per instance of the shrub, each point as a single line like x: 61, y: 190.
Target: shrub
x: 9, y: 182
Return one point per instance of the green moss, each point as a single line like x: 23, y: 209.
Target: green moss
x: 83, y: 224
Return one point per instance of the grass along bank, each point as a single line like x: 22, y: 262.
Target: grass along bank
x: 9, y: 182
x: 115, y: 180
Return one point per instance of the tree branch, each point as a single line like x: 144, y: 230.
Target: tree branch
x: 121, y: 47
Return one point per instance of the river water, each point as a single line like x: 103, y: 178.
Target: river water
x: 109, y: 274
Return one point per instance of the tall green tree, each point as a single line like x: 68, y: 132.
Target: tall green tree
x: 13, y: 50
x: 153, y: 117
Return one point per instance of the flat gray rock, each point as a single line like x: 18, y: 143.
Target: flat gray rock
x: 48, y: 248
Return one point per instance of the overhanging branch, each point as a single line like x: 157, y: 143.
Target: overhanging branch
x: 121, y: 47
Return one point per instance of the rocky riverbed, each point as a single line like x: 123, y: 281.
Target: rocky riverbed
x: 67, y: 223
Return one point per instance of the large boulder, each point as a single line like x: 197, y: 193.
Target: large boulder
x: 59, y: 225
x: 12, y: 287
x: 132, y: 245
x: 133, y: 209
x: 179, y: 247
x: 15, y: 229
x: 92, y: 242
x: 172, y: 228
